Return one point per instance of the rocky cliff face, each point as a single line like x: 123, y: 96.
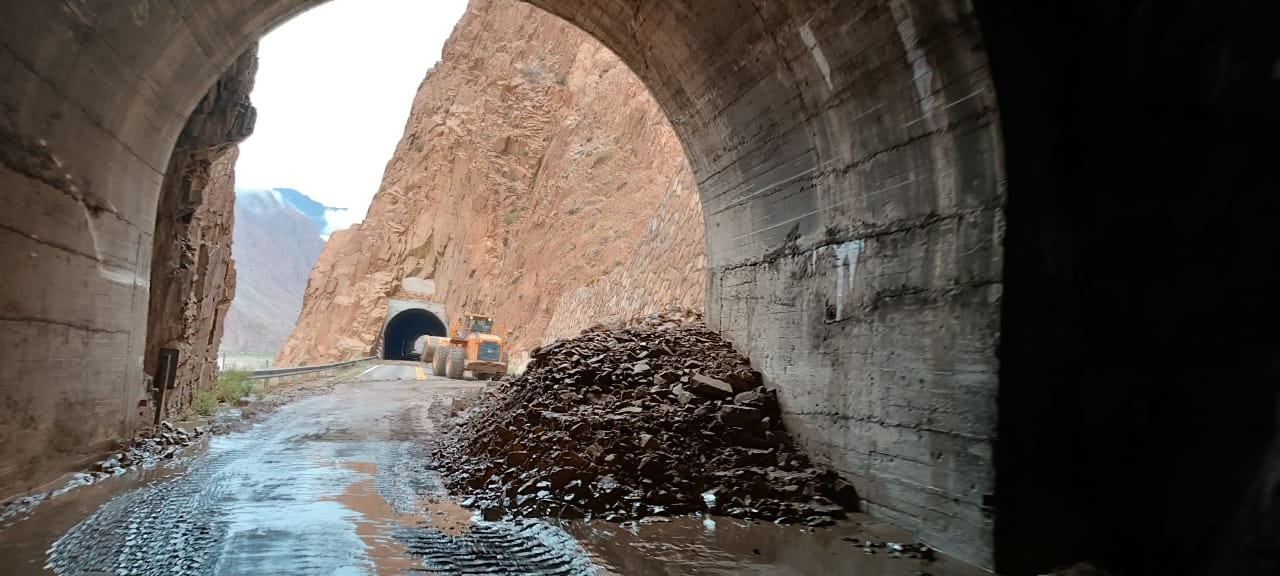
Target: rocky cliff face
x: 192, y: 273
x: 275, y: 247
x: 536, y: 180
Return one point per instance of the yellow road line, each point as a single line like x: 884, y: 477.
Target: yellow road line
x: 421, y: 375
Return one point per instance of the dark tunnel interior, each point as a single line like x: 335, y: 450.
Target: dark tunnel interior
x: 1138, y: 358
x: 405, y: 328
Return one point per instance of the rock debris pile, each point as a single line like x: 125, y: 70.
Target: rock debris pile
x: 658, y: 415
x: 157, y: 443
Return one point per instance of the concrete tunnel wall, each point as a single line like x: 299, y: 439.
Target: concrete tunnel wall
x: 850, y: 163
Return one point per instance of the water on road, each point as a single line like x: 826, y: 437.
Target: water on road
x: 339, y: 483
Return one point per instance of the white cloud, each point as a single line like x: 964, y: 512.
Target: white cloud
x: 333, y: 91
x: 341, y: 220
x: 257, y: 200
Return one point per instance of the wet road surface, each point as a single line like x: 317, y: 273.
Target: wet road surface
x: 339, y: 484
x: 397, y: 371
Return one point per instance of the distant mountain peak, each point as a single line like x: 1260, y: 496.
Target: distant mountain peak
x: 305, y: 205
x: 313, y: 210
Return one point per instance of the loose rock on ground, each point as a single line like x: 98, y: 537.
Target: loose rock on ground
x: 658, y: 415
x: 148, y: 447
x: 152, y: 444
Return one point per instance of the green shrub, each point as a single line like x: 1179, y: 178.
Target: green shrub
x: 205, y: 402
x: 233, y: 385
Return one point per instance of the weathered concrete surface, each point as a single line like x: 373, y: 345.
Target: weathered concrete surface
x: 192, y: 272
x: 80, y: 245
x: 852, y: 176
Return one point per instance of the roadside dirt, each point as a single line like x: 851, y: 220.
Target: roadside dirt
x: 281, y: 394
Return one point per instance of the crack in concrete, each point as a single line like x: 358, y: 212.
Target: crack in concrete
x: 52, y: 322
x: 834, y: 416
x: 53, y: 245
x: 863, y: 233
x: 932, y: 294
x: 35, y: 161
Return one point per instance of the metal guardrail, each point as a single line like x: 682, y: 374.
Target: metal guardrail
x: 279, y: 372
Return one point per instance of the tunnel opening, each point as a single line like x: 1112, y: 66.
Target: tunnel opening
x: 404, y: 331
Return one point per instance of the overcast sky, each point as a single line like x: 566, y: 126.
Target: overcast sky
x: 333, y: 92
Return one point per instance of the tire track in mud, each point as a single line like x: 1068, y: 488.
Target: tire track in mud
x: 509, y: 548
x: 263, y: 501
x: 504, y: 547
x: 162, y: 528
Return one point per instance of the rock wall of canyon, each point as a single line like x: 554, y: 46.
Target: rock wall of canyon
x: 192, y: 272
x: 536, y: 180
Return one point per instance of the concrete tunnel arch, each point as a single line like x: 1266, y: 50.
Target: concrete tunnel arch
x: 404, y: 329
x: 823, y: 160
x: 881, y: 221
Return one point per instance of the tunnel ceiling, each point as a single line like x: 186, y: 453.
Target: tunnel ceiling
x: 404, y: 329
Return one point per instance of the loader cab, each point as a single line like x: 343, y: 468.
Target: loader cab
x: 476, y: 324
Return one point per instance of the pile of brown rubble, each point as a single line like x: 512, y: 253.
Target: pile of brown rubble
x: 658, y: 415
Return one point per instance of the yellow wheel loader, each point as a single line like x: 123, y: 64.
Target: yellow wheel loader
x: 472, y: 346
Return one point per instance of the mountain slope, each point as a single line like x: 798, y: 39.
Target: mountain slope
x: 537, y: 180
x: 274, y: 245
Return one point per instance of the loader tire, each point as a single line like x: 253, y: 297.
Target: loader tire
x: 429, y: 353
x: 439, y: 358
x: 457, y: 362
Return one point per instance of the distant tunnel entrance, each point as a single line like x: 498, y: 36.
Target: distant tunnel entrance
x: 404, y: 329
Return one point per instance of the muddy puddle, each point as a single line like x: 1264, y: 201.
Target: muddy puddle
x: 336, y: 484
x: 710, y: 545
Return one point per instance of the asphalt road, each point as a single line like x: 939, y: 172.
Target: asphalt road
x: 395, y: 371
